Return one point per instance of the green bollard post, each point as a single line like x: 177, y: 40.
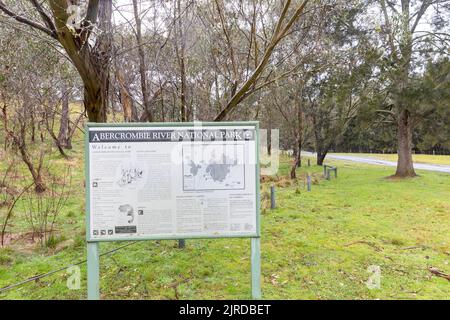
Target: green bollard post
x: 272, y: 197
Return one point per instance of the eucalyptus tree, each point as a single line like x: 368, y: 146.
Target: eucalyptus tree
x: 411, y: 33
x: 431, y: 92
x: 244, y: 45
x: 336, y: 94
x: 333, y: 78
x: 82, y: 28
x: 28, y: 82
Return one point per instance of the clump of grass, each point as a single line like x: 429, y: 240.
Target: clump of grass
x: 6, y: 256
x: 78, y: 241
x: 268, y: 179
x: 397, y: 242
x: 52, y: 241
x: 70, y: 214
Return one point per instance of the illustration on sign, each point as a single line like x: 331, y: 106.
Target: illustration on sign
x: 213, y: 167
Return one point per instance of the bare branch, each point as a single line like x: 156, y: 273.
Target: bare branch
x: 26, y: 21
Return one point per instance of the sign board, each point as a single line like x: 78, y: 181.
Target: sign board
x: 172, y: 181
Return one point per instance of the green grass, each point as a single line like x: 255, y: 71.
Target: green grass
x: 417, y: 158
x: 315, y: 245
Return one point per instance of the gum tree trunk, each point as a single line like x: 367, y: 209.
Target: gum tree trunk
x: 405, y: 166
x: 92, y: 63
x: 142, y: 64
x: 64, y: 130
x: 321, y: 157
x: 95, y: 104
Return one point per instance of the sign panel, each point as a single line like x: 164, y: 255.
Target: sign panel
x: 172, y: 181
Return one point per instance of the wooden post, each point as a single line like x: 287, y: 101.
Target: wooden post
x: 308, y: 182
x: 272, y: 197
x: 309, y: 162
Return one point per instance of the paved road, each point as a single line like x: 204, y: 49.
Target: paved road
x: 418, y: 166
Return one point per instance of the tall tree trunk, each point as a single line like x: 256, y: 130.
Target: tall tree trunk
x: 33, y: 126
x: 94, y: 104
x: 102, y: 54
x: 293, y: 173
x: 320, y: 148
x: 299, y: 153
x: 5, y: 123
x: 180, y: 53
x: 405, y: 166
x: 129, y: 109
x: 299, y: 130
x: 142, y: 64
x: 39, y: 185
x: 298, y: 147
x: 297, y: 156
x: 321, y: 157
x: 63, y: 135
x: 91, y: 62
x: 184, y: 113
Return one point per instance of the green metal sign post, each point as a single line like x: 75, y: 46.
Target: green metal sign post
x: 256, y: 268
x: 93, y: 243
x: 93, y: 270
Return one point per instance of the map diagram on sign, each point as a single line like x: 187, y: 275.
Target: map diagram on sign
x: 213, y: 167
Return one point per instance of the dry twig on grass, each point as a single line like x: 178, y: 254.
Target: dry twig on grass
x: 438, y: 273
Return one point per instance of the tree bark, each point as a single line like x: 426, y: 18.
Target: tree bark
x: 63, y: 135
x: 299, y: 153
x: 180, y: 53
x: 405, y: 166
x: 33, y: 126
x: 39, y: 185
x: 293, y: 173
x: 129, y: 109
x: 5, y: 124
x: 321, y: 157
x: 299, y: 129
x: 94, y: 103
x: 93, y: 63
x: 142, y: 64
x: 321, y: 149
x: 298, y: 159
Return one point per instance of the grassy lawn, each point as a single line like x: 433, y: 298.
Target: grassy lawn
x: 418, y: 158
x: 315, y: 245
